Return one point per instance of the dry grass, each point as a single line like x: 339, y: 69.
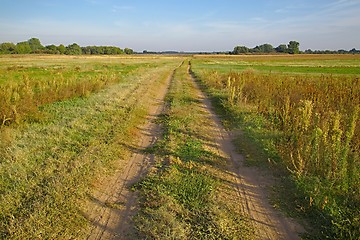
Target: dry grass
x: 315, y: 125
x: 46, y: 166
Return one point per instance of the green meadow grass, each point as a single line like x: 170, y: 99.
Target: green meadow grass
x: 300, y: 64
x: 47, y: 166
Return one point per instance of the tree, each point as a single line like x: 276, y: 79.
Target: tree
x: 265, y: 48
x: 282, y: 48
x: 293, y: 47
x: 354, y: 51
x: 128, y: 51
x: 7, y: 48
x: 61, y: 48
x: 86, y: 50
x: 35, y: 44
x: 51, y: 49
x: 240, y: 50
x: 73, y: 49
x: 23, y: 48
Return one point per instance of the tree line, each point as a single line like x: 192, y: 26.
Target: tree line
x: 293, y: 47
x: 34, y: 46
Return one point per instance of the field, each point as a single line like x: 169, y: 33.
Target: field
x: 304, y: 112
x: 67, y: 123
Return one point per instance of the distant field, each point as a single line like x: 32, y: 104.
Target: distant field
x: 29, y: 81
x: 314, y: 64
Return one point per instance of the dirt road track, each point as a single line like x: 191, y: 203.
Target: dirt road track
x: 115, y: 203
x: 251, y: 186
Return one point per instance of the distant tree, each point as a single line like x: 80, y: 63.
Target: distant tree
x: 23, y: 48
x: 61, y: 48
x: 109, y: 50
x: 293, y: 47
x: 128, y: 51
x: 86, y: 50
x: 309, y: 51
x: 35, y: 45
x: 120, y: 51
x: 255, y: 49
x: 342, y: 51
x: 240, y: 50
x: 265, y: 48
x: 354, y: 51
x: 7, y: 48
x: 73, y: 49
x: 51, y: 49
x: 282, y: 48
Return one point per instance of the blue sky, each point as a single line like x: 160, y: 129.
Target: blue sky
x: 183, y: 25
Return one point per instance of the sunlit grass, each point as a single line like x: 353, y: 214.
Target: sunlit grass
x: 188, y: 195
x: 309, y: 64
x: 47, y: 166
x: 306, y: 124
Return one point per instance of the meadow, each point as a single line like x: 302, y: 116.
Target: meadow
x: 65, y: 121
x: 303, y: 113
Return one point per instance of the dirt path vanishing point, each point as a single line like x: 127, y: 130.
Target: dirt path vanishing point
x: 115, y: 203
x: 252, y: 186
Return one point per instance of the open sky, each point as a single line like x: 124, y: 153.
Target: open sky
x: 183, y: 25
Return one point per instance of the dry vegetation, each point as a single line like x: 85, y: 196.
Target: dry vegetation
x: 313, y: 121
x: 63, y: 119
x: 47, y: 165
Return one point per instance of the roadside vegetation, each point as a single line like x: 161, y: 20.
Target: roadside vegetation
x: 47, y: 165
x: 306, y: 125
x: 26, y: 86
x: 189, y: 193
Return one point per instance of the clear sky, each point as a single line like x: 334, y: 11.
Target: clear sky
x: 183, y: 25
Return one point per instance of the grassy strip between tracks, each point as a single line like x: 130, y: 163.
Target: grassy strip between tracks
x: 189, y: 194
x: 46, y: 166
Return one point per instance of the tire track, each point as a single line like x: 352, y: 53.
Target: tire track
x: 251, y: 185
x: 116, y: 204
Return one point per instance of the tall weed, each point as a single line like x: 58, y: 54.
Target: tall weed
x: 318, y: 119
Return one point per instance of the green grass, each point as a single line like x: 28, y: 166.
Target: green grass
x: 329, y: 200
x: 24, y: 86
x: 278, y: 64
x: 188, y: 195
x: 47, y: 166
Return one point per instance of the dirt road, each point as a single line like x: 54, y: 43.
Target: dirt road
x: 116, y: 204
x: 252, y: 186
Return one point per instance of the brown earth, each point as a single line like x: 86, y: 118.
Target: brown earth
x: 116, y: 204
